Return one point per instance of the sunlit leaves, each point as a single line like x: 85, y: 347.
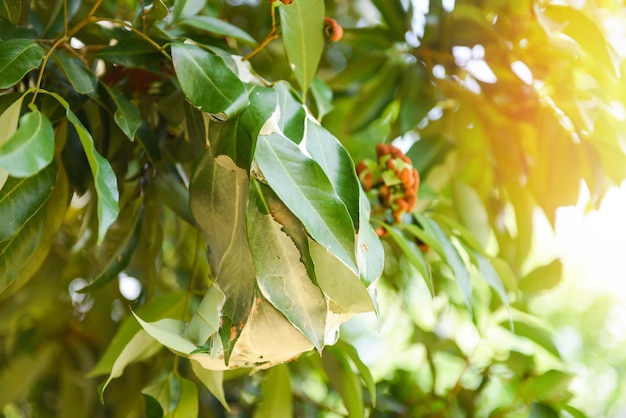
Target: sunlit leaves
x: 302, y: 25
x: 18, y: 57
x: 208, y: 81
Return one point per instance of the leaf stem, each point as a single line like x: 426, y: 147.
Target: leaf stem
x: 66, y: 35
x: 135, y: 31
x: 269, y: 38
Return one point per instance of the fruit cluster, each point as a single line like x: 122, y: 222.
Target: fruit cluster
x: 392, y: 181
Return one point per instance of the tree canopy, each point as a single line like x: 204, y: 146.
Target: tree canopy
x: 195, y: 195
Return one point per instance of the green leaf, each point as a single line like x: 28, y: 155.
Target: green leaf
x: 328, y: 152
x: 24, y: 370
x: 18, y: 57
x: 343, y: 288
x: 213, y: 381
x: 323, y: 96
x: 104, y: 178
x: 168, y: 332
x: 218, y: 200
x: 292, y: 112
x: 127, y: 115
x: 208, y: 82
x: 301, y: 184
x: 83, y: 80
x: 395, y: 17
x: 452, y: 258
x: 283, y: 279
x: 206, y: 320
x: 9, y: 119
x: 140, y: 347
x: 219, y: 27
x: 276, y: 398
x: 30, y: 148
x: 21, y: 198
x: 130, y: 52
x: 428, y: 152
x: 413, y: 254
x: 119, y: 245
x: 353, y: 355
x: 534, y: 332
x: 376, y: 95
x: 540, y: 410
x: 165, y: 305
x: 302, y: 24
x: 575, y: 24
x: 187, y: 404
x: 549, y: 386
x: 471, y: 211
x: 22, y: 255
x: 11, y: 10
x: 159, y: 10
x: 542, y: 278
x: 184, y: 8
x: 344, y: 380
x: 370, y: 251
x: 491, y: 276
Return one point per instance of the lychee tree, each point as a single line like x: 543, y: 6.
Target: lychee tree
x: 195, y: 195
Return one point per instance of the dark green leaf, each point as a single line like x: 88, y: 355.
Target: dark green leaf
x: 302, y: 24
x: 127, y: 115
x: 21, y: 198
x: 119, y: 245
x: 277, y: 399
x: 11, y: 10
x: 30, y: 148
x: 18, y: 57
x: 374, y: 98
x: 173, y: 192
x: 208, y: 82
x: 395, y: 17
x: 301, y: 183
x: 415, y: 97
x: 292, y: 113
x: 218, y: 200
x: 83, y: 80
x: 130, y: 53
x: 22, y: 254
x: 540, y: 410
x: 219, y: 27
x: 542, y: 278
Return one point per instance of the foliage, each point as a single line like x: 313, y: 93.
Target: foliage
x: 160, y: 144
